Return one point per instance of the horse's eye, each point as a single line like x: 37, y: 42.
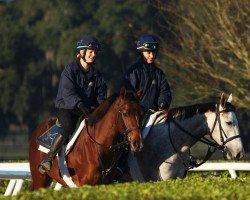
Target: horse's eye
x: 229, y: 123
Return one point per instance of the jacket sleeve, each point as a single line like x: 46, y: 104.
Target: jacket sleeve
x: 68, y: 89
x: 130, y: 81
x: 165, y: 95
x: 101, y: 91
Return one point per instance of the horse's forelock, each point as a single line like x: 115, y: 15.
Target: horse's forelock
x: 229, y: 107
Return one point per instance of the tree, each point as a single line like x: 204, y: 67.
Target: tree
x: 35, y: 49
x: 211, y: 45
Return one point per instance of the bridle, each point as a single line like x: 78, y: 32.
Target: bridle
x: 223, y: 137
x: 222, y: 132
x: 125, y: 133
x: 119, y: 146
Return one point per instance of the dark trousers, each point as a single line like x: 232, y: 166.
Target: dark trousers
x: 68, y: 119
x: 123, y: 162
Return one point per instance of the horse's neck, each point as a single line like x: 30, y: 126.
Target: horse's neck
x: 106, y: 129
x: 197, y: 126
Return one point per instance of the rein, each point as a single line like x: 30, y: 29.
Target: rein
x: 205, y: 140
x: 112, y: 148
x: 119, y: 144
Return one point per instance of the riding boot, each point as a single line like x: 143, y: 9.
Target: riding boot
x: 46, y: 164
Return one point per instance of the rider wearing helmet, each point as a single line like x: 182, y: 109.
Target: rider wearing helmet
x: 145, y: 76
x: 81, y: 88
x: 156, y: 93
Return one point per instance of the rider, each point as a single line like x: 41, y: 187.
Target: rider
x: 146, y: 76
x: 81, y: 89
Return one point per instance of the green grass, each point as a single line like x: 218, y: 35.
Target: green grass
x: 195, y: 186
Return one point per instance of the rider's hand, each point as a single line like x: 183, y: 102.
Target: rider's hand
x: 163, y: 107
x: 85, y: 110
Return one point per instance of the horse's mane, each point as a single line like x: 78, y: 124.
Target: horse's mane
x: 101, y: 110
x: 189, y: 111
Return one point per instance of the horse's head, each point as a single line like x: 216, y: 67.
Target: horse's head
x: 131, y: 113
x: 226, y: 130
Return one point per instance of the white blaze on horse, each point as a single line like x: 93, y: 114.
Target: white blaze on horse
x: 166, y: 153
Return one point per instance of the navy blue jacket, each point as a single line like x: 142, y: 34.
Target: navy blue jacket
x: 152, y: 81
x: 77, y: 86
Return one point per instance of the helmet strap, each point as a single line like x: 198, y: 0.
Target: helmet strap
x: 84, y: 59
x: 84, y: 54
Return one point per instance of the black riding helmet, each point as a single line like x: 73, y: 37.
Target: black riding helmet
x: 147, y: 42
x: 88, y: 42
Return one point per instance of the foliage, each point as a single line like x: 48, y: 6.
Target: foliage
x: 211, y: 46
x: 193, y: 187
x: 42, y: 40
x: 204, y: 50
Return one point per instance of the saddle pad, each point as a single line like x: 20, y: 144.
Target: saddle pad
x: 151, y: 120
x: 70, y: 143
x: 48, y: 136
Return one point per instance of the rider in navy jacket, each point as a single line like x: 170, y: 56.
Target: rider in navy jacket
x: 144, y: 75
x: 81, y: 88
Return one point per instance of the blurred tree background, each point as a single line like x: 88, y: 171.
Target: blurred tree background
x: 204, y: 51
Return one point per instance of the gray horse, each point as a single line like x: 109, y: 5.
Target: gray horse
x: 167, y: 145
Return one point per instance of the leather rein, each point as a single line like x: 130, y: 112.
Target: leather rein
x: 119, y: 146
x: 204, y: 140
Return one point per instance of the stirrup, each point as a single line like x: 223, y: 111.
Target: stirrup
x: 45, y: 167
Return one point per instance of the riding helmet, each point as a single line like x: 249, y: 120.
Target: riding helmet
x: 88, y: 42
x: 147, y: 42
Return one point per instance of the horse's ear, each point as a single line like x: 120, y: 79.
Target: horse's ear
x: 222, y: 100
x: 123, y: 92
x: 230, y: 98
x: 138, y: 93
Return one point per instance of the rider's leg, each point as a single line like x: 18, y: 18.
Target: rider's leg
x: 123, y: 170
x: 67, y: 119
x: 57, y: 143
x: 123, y: 162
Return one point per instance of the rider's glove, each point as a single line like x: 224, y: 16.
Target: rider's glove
x: 85, y: 110
x: 163, y: 107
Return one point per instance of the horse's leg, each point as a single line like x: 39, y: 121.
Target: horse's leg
x: 172, y: 169
x: 41, y: 181
x: 35, y: 157
x: 38, y: 180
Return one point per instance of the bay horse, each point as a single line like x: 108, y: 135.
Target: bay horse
x: 166, y: 152
x: 94, y: 156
